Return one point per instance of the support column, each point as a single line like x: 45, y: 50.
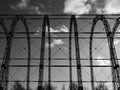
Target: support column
x: 3, y: 67
x: 79, y: 73
x: 42, y: 54
x: 78, y: 62
x: 49, y: 53
x: 70, y: 54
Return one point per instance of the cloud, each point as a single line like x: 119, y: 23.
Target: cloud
x: 35, y: 10
x: 22, y: 4
x: 26, y: 5
x: 55, y: 42
x: 62, y: 28
x: 52, y: 30
x: 110, y: 7
x: 93, y: 1
x: 58, y: 41
x: 102, y: 62
x: 98, y: 5
x: 77, y: 7
x: 99, y: 10
x: 39, y: 30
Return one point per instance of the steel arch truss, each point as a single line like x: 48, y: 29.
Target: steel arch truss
x: 115, y: 69
x: 42, y: 54
x: 113, y: 57
x: 73, y: 22
x: 116, y: 63
x: 6, y: 61
x: 3, y: 67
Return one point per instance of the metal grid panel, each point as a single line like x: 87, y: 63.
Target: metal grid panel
x: 59, y: 49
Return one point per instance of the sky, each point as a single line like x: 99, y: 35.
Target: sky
x: 60, y: 6
x: 60, y: 46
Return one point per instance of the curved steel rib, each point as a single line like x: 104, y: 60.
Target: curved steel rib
x: 42, y: 54
x: 108, y: 33
x: 116, y: 63
x: 73, y: 21
x: 10, y: 40
x: 2, y: 23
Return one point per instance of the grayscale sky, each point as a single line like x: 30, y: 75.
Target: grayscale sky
x: 59, y: 46
x: 59, y: 6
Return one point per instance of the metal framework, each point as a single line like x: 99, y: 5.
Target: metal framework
x: 113, y: 57
x: 9, y: 35
x: 6, y: 60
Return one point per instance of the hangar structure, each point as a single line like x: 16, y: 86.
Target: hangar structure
x: 36, y: 49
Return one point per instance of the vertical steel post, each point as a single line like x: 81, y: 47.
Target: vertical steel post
x: 3, y: 67
x: 79, y: 73
x: 29, y: 51
x: 42, y: 54
x: 49, y: 53
x: 90, y: 54
x: 10, y: 37
x: 70, y: 53
x: 116, y: 66
x: 111, y: 47
x: 78, y: 61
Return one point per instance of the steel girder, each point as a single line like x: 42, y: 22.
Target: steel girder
x: 73, y: 22
x: 9, y: 46
x: 113, y: 57
x: 110, y: 37
x: 42, y: 53
x: 3, y: 67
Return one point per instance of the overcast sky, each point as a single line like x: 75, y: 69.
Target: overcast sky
x: 61, y: 7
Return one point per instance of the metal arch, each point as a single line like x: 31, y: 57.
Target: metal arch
x: 70, y: 52
x: 108, y: 33
x: 117, y: 22
x: 2, y: 23
x: 49, y: 53
x: 10, y: 40
x: 110, y: 38
x: 41, y: 64
x: 42, y: 54
x: 79, y: 72
x: 116, y: 66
